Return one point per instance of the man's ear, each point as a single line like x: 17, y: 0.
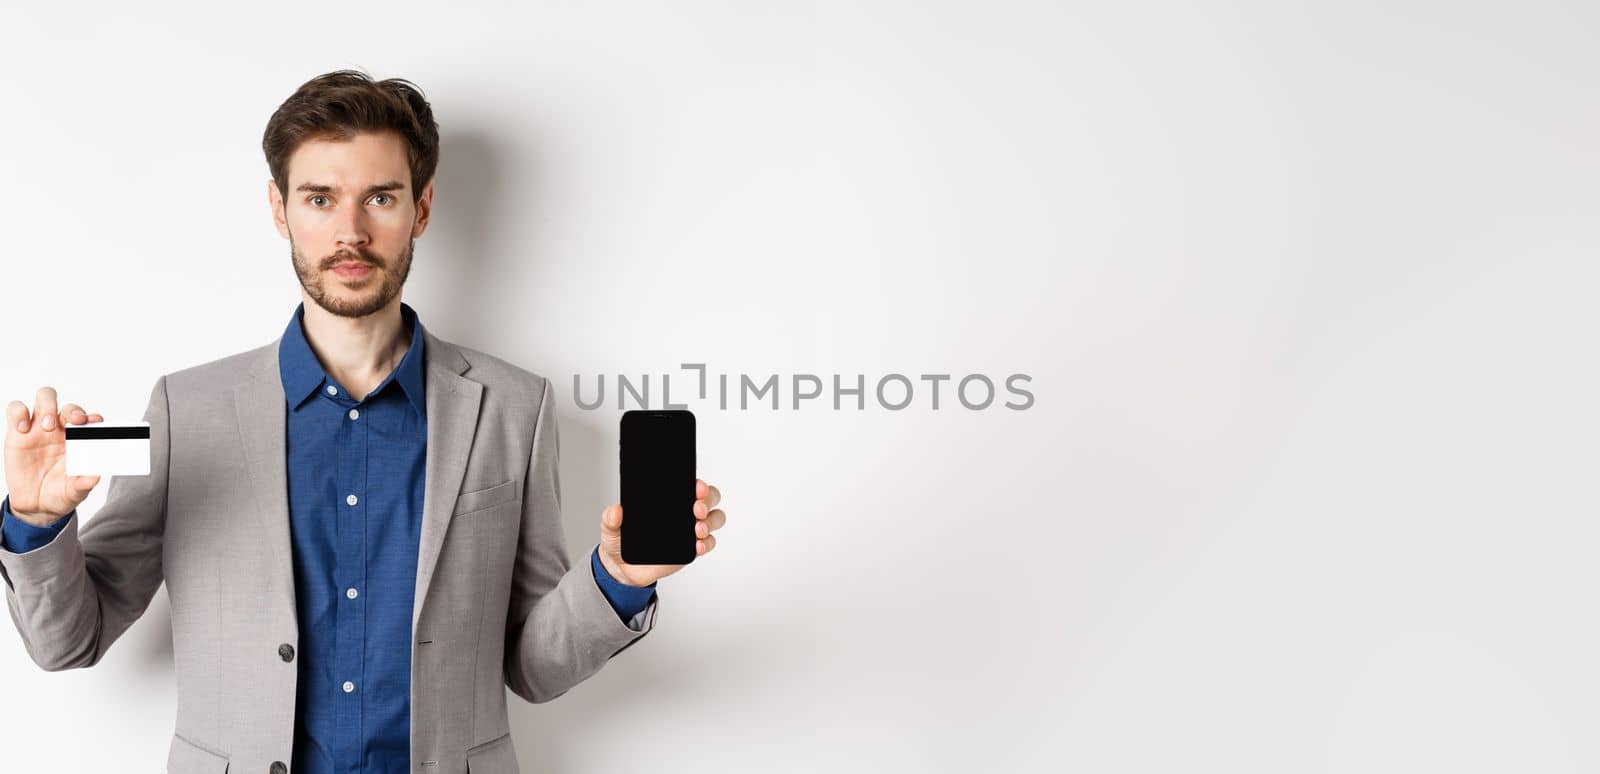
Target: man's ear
x: 424, y: 209
x: 275, y: 200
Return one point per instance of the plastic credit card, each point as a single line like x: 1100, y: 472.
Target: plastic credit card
x: 108, y: 449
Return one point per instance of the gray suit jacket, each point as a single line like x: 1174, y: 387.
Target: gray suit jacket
x: 498, y: 601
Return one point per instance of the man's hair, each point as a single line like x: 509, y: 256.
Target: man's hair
x: 338, y: 105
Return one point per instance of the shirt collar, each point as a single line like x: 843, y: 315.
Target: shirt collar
x: 303, y: 374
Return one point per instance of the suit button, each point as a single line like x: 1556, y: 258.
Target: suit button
x: 286, y: 652
x: 279, y: 768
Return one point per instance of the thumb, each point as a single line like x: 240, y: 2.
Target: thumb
x: 82, y: 484
x: 611, y: 529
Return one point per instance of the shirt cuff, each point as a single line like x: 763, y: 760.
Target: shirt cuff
x: 20, y: 537
x: 627, y: 600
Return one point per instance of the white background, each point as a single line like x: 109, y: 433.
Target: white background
x: 1306, y: 292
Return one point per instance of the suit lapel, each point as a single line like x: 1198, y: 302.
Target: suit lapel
x: 452, y: 401
x: 259, y: 404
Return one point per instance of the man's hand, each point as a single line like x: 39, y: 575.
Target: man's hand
x: 707, y: 521
x: 36, y: 459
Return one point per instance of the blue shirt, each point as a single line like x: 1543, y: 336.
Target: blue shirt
x: 355, y: 480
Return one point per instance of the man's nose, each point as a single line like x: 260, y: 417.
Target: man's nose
x: 352, y: 229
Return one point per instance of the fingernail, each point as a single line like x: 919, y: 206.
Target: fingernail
x: 22, y: 425
x: 49, y: 422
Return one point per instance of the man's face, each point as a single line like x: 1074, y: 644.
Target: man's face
x: 350, y: 220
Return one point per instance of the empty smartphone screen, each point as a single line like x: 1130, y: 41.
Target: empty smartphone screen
x: 658, y: 483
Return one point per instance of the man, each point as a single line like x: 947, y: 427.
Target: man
x: 358, y: 524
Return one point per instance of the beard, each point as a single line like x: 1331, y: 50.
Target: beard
x: 352, y: 298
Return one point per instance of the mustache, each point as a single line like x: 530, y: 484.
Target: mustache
x: 346, y: 257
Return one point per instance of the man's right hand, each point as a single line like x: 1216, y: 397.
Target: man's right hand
x: 41, y: 492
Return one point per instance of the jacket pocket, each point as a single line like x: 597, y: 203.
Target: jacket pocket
x: 495, y: 757
x: 186, y: 757
x: 482, y: 499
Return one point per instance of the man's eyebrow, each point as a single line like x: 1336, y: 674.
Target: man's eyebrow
x: 392, y: 185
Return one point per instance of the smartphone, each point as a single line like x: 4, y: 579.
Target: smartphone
x: 657, y: 466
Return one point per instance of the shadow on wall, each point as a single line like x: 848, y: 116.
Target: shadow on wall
x: 453, y: 258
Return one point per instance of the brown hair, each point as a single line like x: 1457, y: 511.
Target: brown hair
x: 337, y: 105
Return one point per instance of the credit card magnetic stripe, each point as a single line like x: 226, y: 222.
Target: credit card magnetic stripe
x: 88, y: 432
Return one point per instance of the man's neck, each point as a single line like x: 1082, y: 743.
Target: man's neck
x: 358, y: 352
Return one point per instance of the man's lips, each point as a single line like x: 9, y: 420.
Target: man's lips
x: 352, y: 269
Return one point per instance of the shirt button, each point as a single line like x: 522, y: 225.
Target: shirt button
x: 354, y: 413
x: 351, y: 500
x: 349, y: 686
x: 332, y: 390
x: 278, y: 768
x: 351, y: 592
x: 286, y: 652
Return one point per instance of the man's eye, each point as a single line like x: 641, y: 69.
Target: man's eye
x: 314, y: 199
x: 382, y: 195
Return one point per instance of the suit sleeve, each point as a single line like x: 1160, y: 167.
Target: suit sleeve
x: 560, y: 629
x: 22, y: 537
x: 628, y: 601
x: 73, y: 596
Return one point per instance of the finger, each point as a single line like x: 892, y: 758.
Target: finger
x: 72, y: 414
x: 44, y: 407
x: 611, y: 533
x: 704, y: 545
x: 709, y: 524
x: 84, y: 483
x: 712, y: 496
x: 17, y: 415
x: 96, y: 418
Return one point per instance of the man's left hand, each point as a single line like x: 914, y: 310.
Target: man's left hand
x: 707, y: 521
